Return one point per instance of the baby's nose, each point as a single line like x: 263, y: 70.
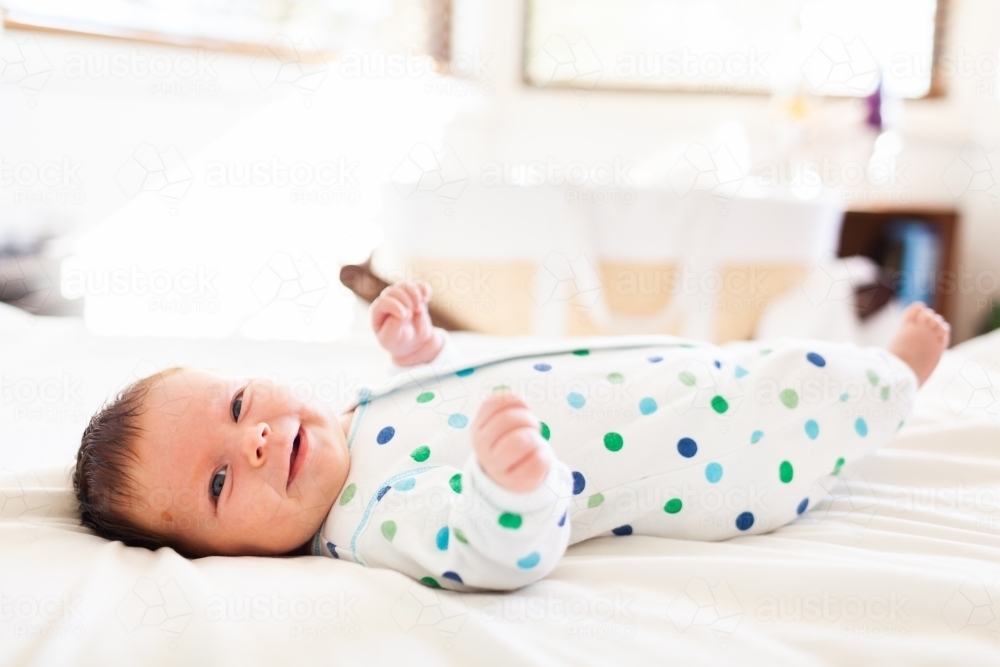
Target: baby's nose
x: 256, y: 445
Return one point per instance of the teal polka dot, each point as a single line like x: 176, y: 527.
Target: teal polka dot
x: 464, y: 372
x: 739, y: 372
x: 861, y: 426
x: 755, y: 437
x: 576, y: 399
x: 812, y: 429
x: 647, y: 406
x: 458, y: 420
x: 529, y: 561
x: 713, y: 472
x: 844, y: 397
x: 406, y: 484
x: 442, y: 539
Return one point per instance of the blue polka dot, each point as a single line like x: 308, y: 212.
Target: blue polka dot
x: 655, y: 359
x: 812, y: 429
x: 562, y: 520
x: 543, y: 367
x: 687, y: 447
x: 802, y: 506
x: 385, y: 435
x: 458, y: 420
x: 713, y: 472
x: 333, y: 549
x: 755, y: 437
x: 622, y: 530
x: 576, y: 400
x: 442, y: 539
x: 744, y: 521
x: 718, y: 364
x: 463, y: 373
x: 529, y: 561
x: 647, y: 406
x: 453, y: 576
x: 405, y: 484
x: 579, y: 483
x: 861, y: 426
x: 816, y: 359
x: 381, y: 492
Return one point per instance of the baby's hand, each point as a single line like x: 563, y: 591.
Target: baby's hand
x: 403, y: 325
x: 508, y: 444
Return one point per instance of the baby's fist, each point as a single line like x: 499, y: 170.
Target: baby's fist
x: 402, y: 323
x: 509, y: 445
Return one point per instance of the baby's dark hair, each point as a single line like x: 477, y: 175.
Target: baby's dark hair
x: 102, y: 479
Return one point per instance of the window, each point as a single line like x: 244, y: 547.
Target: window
x: 824, y: 47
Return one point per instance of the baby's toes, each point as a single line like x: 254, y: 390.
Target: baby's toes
x: 913, y: 312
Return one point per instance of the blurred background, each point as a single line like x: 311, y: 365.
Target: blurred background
x: 719, y: 169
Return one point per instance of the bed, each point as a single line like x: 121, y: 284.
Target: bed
x: 900, y: 565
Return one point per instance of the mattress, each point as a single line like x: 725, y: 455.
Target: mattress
x: 900, y: 565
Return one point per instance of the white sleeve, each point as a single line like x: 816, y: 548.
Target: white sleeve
x: 446, y: 355
x: 462, y: 531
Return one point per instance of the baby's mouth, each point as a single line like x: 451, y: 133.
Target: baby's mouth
x: 293, y: 458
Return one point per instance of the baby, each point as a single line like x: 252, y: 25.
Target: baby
x: 478, y: 475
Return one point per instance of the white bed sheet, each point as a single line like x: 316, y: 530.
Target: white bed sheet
x: 900, y: 566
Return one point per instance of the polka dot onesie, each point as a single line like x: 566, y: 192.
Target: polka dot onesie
x: 653, y: 435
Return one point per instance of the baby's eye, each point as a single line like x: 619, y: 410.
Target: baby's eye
x: 237, y: 406
x: 218, y: 481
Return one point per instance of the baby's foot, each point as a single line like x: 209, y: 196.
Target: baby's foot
x: 922, y: 337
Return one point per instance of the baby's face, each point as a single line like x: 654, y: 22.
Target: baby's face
x: 234, y: 466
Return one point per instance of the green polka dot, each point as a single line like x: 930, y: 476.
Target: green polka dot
x: 766, y: 351
x: 673, y: 506
x: 613, y: 441
x: 838, y: 466
x: 425, y: 397
x: 688, y: 378
x: 460, y: 536
x: 348, y: 493
x: 508, y: 520
x: 616, y: 378
x: 430, y: 581
x: 389, y: 530
x: 789, y: 397
x: 546, y: 433
x: 421, y: 454
x: 900, y: 426
x: 872, y: 377
x: 456, y: 482
x: 499, y: 388
x: 581, y: 353
x: 885, y: 393
x: 595, y: 500
x: 719, y: 404
x: 785, y: 472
